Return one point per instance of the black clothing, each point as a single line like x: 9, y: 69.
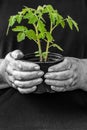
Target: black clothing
x: 45, y: 111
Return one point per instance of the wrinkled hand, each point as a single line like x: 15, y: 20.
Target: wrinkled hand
x: 65, y: 76
x: 24, y: 76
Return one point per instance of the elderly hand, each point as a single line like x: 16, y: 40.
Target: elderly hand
x: 67, y: 75
x: 24, y: 76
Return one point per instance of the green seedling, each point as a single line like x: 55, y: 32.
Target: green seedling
x: 39, y: 31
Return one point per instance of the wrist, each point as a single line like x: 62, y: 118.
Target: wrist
x: 83, y: 74
x: 3, y: 83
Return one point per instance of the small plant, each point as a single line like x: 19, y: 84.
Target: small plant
x: 38, y: 32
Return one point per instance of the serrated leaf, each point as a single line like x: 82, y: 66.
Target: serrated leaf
x: 75, y: 24
x: 19, y: 29
x: 12, y: 20
x: 32, y: 18
x: 19, y: 18
x: 41, y: 35
x: 69, y: 21
x: 20, y: 36
x: 62, y: 23
x: 24, y: 10
x: 27, y: 15
x: 41, y: 26
x: 53, y: 17
x: 39, y: 8
x: 72, y: 23
x: 31, y: 34
x: 49, y: 37
x: 49, y: 8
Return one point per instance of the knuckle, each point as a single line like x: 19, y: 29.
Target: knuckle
x: 14, y: 73
x: 19, y: 84
x: 55, y: 76
x: 70, y: 74
x: 74, y: 66
x: 66, y: 60
x: 7, y: 56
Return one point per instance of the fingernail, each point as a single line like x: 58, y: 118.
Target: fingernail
x: 46, y: 75
x: 40, y: 73
x: 37, y: 67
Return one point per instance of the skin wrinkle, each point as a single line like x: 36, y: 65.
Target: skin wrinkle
x: 70, y: 83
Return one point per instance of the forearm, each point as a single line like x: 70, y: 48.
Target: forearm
x: 83, y: 75
x: 3, y: 83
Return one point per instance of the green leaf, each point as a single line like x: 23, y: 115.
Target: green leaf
x: 41, y: 35
x: 57, y: 46
x: 36, y: 52
x: 28, y: 15
x: 53, y: 17
x: 19, y: 18
x: 49, y: 37
x: 12, y: 20
x: 32, y: 18
x: 49, y: 8
x: 31, y: 34
x: 75, y: 24
x: 19, y: 28
x: 20, y: 36
x: 62, y: 23
x: 24, y: 10
x: 41, y: 26
x: 40, y: 8
x: 72, y: 23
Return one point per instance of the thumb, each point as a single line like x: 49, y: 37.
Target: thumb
x: 17, y: 54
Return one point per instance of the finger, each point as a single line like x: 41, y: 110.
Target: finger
x: 63, y: 75
x: 58, y: 83
x: 27, y: 90
x: 11, y: 78
x: 28, y: 84
x: 27, y: 66
x: 72, y: 87
x: 17, y: 54
x: 65, y: 65
x: 14, y: 86
x: 58, y: 89
x: 18, y: 75
x: 11, y: 68
x: 11, y: 63
x: 9, y: 57
x: 21, y: 66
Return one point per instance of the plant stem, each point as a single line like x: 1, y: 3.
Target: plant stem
x: 48, y: 43
x: 38, y: 43
x: 47, y: 49
x: 40, y: 50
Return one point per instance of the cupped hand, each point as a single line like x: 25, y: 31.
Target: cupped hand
x: 65, y: 76
x: 22, y: 75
